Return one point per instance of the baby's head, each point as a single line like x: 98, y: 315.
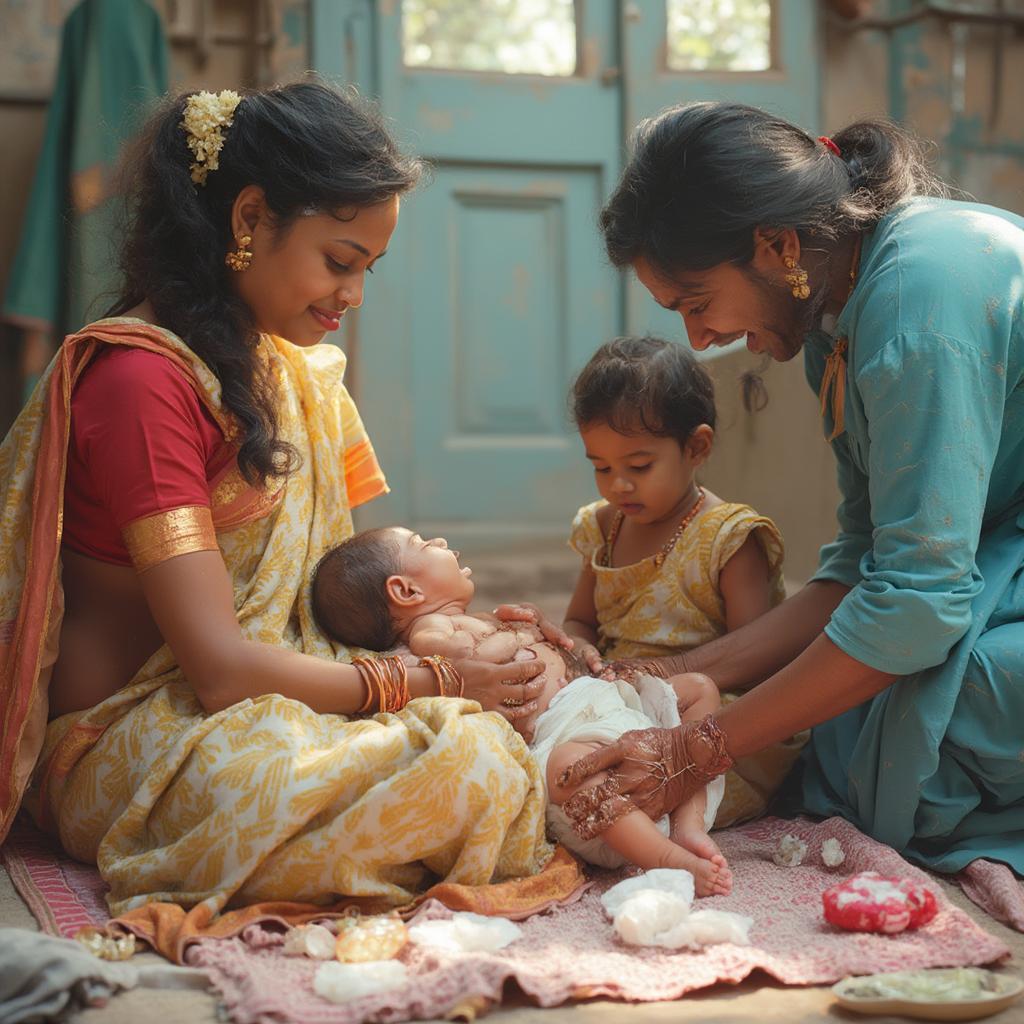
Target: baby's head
x: 367, y: 591
x: 645, y: 409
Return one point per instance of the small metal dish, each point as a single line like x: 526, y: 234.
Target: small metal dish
x: 944, y: 993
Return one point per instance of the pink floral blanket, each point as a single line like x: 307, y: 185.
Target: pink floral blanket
x: 572, y: 951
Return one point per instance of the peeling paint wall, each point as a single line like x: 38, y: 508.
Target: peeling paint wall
x: 24, y: 119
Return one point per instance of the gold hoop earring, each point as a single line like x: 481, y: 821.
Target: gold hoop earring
x: 796, y: 279
x: 240, y: 259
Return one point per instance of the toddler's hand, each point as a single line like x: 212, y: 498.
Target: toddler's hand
x: 592, y: 659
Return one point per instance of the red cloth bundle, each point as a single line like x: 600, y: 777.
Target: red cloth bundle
x: 870, y: 902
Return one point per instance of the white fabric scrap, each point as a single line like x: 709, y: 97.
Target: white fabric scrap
x: 341, y: 983
x: 662, y: 880
x: 466, y: 932
x: 654, y: 909
x: 312, y: 940
x: 832, y: 854
x: 790, y: 852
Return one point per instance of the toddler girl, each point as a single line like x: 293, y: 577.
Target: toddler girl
x: 667, y: 565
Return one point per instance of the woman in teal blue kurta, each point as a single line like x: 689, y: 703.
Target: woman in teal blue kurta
x: 931, y: 541
x: 906, y: 650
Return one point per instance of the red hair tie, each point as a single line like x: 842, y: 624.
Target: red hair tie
x: 829, y: 144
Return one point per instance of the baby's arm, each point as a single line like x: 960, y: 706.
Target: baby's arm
x: 745, y: 584
x: 634, y: 836
x: 437, y: 634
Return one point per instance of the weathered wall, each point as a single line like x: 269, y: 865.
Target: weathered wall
x: 232, y: 58
x: 940, y: 81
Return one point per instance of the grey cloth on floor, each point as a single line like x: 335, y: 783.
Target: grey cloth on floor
x: 44, y: 978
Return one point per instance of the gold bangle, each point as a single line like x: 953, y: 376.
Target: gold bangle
x: 449, y: 682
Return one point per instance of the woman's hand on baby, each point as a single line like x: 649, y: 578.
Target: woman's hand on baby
x: 654, y: 770
x: 530, y: 613
x: 510, y: 689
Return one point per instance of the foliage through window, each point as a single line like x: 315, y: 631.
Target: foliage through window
x: 532, y: 37
x: 719, y: 35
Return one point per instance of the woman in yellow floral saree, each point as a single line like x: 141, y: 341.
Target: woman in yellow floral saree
x: 168, y: 702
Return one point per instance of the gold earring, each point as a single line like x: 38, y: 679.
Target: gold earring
x: 240, y: 259
x: 796, y: 279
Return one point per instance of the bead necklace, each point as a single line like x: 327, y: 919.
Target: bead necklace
x: 659, y: 558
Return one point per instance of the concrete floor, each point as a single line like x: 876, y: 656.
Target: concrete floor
x: 546, y: 577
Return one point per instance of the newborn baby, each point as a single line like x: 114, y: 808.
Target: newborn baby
x: 386, y: 587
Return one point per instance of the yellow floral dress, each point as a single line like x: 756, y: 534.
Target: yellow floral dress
x: 645, y: 610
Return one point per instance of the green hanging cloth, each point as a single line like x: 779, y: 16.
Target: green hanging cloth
x: 113, y: 65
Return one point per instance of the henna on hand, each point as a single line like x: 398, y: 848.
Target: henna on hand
x: 654, y: 770
x: 630, y: 670
x: 596, y: 809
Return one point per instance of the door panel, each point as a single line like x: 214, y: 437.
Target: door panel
x: 521, y: 312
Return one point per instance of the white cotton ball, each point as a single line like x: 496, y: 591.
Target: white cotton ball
x: 466, y: 933
x: 712, y: 926
x: 790, y: 852
x: 651, y: 918
x: 673, y: 881
x: 341, y: 983
x: 648, y: 918
x: 832, y: 853
x: 312, y: 940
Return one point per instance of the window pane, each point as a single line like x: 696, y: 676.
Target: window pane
x: 719, y: 35
x: 525, y: 37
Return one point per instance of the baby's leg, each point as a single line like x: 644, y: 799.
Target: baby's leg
x: 635, y: 836
x: 697, y: 696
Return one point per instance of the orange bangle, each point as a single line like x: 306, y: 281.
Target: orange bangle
x: 387, y: 679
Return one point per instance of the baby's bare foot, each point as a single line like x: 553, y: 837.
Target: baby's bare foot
x: 712, y: 874
x: 692, y: 837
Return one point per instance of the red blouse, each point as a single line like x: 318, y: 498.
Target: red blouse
x: 141, y: 443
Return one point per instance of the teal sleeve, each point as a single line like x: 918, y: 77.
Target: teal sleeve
x: 934, y: 406
x: 840, y: 560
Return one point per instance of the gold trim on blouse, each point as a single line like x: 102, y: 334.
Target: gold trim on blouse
x: 153, y: 539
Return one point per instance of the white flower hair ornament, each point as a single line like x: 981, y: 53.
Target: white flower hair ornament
x: 207, y: 116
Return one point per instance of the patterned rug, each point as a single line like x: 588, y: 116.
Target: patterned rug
x: 62, y: 894
x: 572, y: 952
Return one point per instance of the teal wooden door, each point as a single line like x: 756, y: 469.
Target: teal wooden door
x: 496, y: 290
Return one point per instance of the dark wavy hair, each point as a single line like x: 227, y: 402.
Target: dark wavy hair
x: 350, y: 604
x: 644, y: 385
x: 310, y: 147
x: 703, y: 176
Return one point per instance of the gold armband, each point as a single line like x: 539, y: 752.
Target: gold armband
x: 153, y: 539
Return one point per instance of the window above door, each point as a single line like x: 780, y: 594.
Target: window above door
x: 524, y: 37
x: 720, y: 35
